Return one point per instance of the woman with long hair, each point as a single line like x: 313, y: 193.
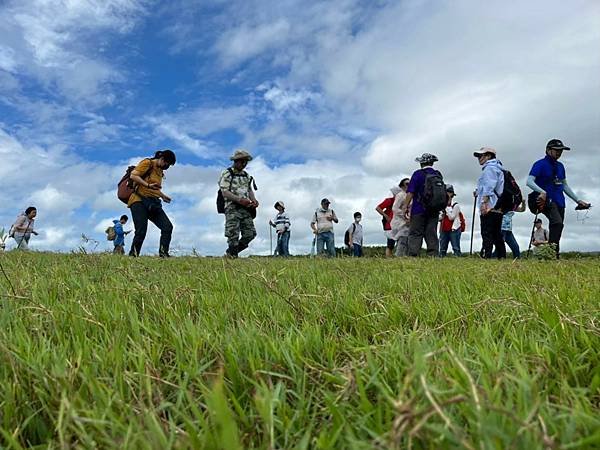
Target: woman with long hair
x: 22, y: 229
x: 145, y: 202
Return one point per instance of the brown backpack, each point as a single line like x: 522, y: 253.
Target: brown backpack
x: 126, y: 186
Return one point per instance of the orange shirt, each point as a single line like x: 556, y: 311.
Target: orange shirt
x: 154, y: 175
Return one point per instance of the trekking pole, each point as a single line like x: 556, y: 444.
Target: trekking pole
x: 270, y: 240
x: 531, y: 235
x: 473, y: 224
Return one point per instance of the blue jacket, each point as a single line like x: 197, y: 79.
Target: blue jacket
x: 491, y: 182
x: 120, y: 239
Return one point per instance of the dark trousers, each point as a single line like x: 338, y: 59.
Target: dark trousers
x: 423, y: 226
x: 152, y: 211
x: 556, y: 220
x: 491, y: 234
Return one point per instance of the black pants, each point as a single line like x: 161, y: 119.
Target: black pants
x: 150, y: 209
x: 556, y: 220
x: 423, y: 226
x: 491, y: 234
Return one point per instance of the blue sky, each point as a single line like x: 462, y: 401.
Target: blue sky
x: 333, y: 98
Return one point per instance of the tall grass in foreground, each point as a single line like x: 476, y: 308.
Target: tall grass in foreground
x: 106, y: 352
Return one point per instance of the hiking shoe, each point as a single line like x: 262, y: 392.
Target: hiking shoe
x: 230, y: 254
x: 164, y: 255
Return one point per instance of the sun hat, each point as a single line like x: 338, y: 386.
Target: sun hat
x: 279, y: 203
x: 241, y: 154
x: 426, y: 158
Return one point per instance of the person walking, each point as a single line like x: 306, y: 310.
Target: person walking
x: 355, y: 236
x: 387, y: 214
x: 282, y: 225
x: 426, y: 197
x: 548, y: 179
x: 400, y: 224
x: 119, y: 242
x: 236, y: 185
x: 489, y: 185
x: 451, y: 225
x: 507, y: 234
x: 322, y: 226
x: 145, y: 202
x: 23, y: 228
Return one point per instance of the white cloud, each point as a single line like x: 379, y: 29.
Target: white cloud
x: 59, y: 43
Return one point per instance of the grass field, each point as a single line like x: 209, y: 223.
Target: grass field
x: 106, y: 352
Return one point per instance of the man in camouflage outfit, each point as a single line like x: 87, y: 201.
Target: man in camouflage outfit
x: 240, y: 204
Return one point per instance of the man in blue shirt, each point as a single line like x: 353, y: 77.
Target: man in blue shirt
x: 120, y: 235
x: 549, y: 179
x: 423, y: 223
x: 489, y: 188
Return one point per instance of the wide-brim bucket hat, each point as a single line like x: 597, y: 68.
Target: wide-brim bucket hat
x: 241, y: 154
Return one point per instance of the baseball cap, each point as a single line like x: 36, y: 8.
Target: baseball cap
x: 449, y: 188
x: 556, y: 144
x: 483, y: 151
x: 538, y: 221
x: 279, y: 203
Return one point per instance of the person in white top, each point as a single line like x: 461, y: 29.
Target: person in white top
x: 22, y: 229
x: 450, y: 225
x: 400, y: 225
x: 322, y: 226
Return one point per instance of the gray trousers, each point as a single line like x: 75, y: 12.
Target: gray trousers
x: 402, y: 246
x: 423, y: 226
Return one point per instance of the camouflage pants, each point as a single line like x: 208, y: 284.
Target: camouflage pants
x: 238, y: 220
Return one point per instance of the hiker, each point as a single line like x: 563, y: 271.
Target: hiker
x: 22, y: 229
x: 282, y: 225
x: 354, y: 236
x: 507, y: 234
x: 145, y: 202
x: 322, y: 226
x: 540, y: 234
x: 385, y: 209
x: 426, y: 196
x: 240, y: 203
x: 119, y: 241
x: 548, y: 179
x: 451, y: 225
x: 490, y: 183
x: 399, y: 223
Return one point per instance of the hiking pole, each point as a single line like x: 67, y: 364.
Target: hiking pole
x: 531, y: 235
x: 270, y: 240
x: 473, y: 224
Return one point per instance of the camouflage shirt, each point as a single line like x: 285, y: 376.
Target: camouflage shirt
x: 238, y: 184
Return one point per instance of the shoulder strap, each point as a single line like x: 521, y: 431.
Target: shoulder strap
x: 230, y: 170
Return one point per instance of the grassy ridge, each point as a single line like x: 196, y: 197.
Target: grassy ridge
x: 98, y: 351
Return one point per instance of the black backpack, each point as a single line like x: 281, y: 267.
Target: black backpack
x: 347, y: 235
x: 511, y: 197
x: 434, y: 197
x: 221, y: 199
